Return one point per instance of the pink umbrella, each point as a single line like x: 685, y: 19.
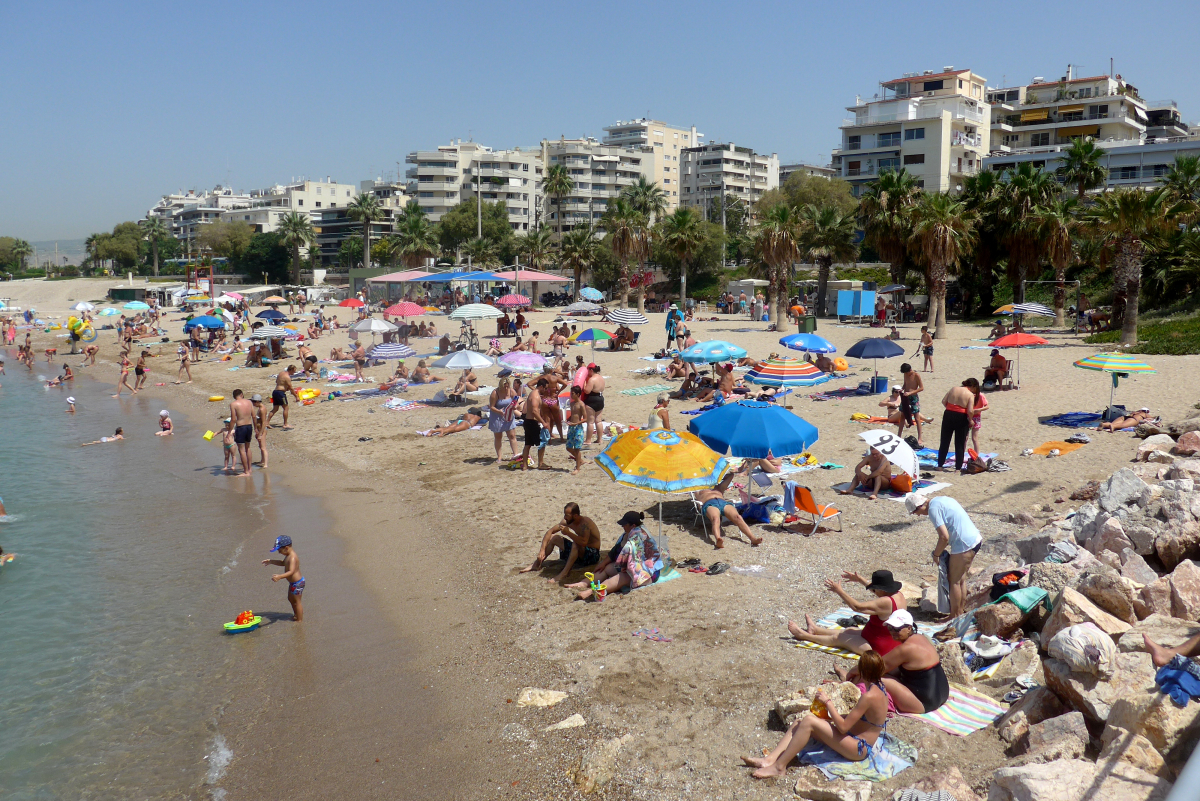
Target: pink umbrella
x: 405, y: 309
x: 234, y: 295
x: 513, y: 301
x: 522, y: 362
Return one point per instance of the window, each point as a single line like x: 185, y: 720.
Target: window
x: 960, y: 83
x: 853, y: 142
x: 889, y: 164
x: 1039, y: 139
x: 1085, y: 92
x: 1071, y: 116
x: 1155, y: 170
x: 300, y: 202
x: 914, y: 133
x: 1098, y: 112
x: 921, y: 184
x: 318, y: 204
x: 318, y: 190
x: 424, y: 194
x: 524, y: 168
x: 889, y: 139
x: 853, y: 167
x: 666, y: 180
x: 1124, y: 173
x: 332, y: 205
x: 932, y: 86
x: 914, y: 158
x: 347, y: 193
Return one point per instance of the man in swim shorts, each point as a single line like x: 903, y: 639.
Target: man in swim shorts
x: 279, y: 395
x: 715, y: 507
x: 242, y: 412
x: 577, y: 539
x: 291, y: 571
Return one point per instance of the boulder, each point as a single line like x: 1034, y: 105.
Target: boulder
x: 1134, y: 568
x: 1185, y: 591
x: 1093, y: 696
x: 1077, y: 780
x: 1023, y: 661
x: 1179, y: 485
x: 1162, y: 458
x: 1084, y: 520
x: 1156, y: 442
x: 533, y: 696
x: 1142, y: 536
x: 1111, y: 594
x: 949, y: 781
x: 1037, y: 705
x: 1014, y: 730
x: 1144, y: 430
x: 1154, y: 599
x: 1141, y: 709
x: 1123, y: 487
x: 1150, y: 494
x: 956, y: 669
x: 1119, y: 744
x: 1185, y: 468
x: 1188, y: 444
x: 1051, y: 577
x: 929, y: 600
x: 1036, y: 547
x: 790, y: 706
x: 597, y: 764
x: 999, y: 620
x: 1063, y: 737
x: 1110, y: 558
x: 1073, y: 608
x: 822, y: 790
x: 1165, y: 630
x: 1176, y: 542
x: 1181, y: 427
x: 1110, y: 536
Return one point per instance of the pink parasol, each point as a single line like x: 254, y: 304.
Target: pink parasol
x: 513, y: 301
x: 405, y: 309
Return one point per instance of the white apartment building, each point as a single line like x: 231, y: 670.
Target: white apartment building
x: 443, y: 178
x: 737, y: 171
x: 263, y: 219
x: 305, y: 195
x: 935, y: 124
x: 600, y: 172
x: 1129, y: 162
x: 668, y: 143
x: 786, y: 170
x: 391, y: 194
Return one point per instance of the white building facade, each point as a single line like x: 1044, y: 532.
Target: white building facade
x: 600, y: 173
x: 730, y: 169
x: 667, y: 143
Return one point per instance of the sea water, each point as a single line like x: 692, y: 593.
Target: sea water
x: 114, y: 668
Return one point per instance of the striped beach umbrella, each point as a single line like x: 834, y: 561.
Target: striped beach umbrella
x: 273, y: 299
x: 787, y: 372
x: 513, y: 301
x: 476, y: 311
x: 270, y: 332
x: 1025, y: 308
x: 592, y: 335
x: 626, y: 317
x: 520, y: 361
x: 1119, y: 365
x: 390, y: 350
x: 405, y: 309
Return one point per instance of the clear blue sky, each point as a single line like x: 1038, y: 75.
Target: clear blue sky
x: 108, y: 106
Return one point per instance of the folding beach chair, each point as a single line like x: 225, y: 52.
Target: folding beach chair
x: 636, y: 336
x: 819, y: 514
x: 697, y: 508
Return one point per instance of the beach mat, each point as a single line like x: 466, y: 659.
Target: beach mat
x: 888, y: 757
x: 922, y: 487
x: 837, y: 394
x: 1063, y: 447
x: 648, y: 390
x: 830, y: 621
x: 1073, y: 420
x: 965, y: 711
x: 928, y: 457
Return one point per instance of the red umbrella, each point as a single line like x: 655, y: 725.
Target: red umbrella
x: 352, y: 303
x: 1018, y: 340
x: 405, y: 309
x: 513, y: 300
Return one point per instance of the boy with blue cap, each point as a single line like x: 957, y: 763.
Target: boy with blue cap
x: 291, y: 571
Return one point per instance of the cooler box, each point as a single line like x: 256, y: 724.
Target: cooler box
x: 879, y: 385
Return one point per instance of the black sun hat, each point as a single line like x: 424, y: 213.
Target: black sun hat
x: 883, y: 580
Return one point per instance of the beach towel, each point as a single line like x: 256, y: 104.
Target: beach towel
x: 654, y: 359
x: 657, y: 370
x: 965, y: 711
x: 1073, y: 420
x: 888, y: 757
x: 837, y: 394
x: 647, y: 390
x: 1063, y: 447
x: 830, y: 621
x: 482, y: 392
x: 402, y: 405
x: 928, y: 457
x: 921, y: 487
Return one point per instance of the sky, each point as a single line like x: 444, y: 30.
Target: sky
x: 109, y: 106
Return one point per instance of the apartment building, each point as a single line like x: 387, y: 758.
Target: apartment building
x: 599, y: 171
x: 737, y: 171
x: 443, y: 178
x: 304, y: 195
x: 391, y: 194
x: 1129, y: 162
x: 668, y: 143
x: 786, y: 170
x: 263, y: 219
x: 332, y: 226
x: 184, y: 213
x: 935, y: 124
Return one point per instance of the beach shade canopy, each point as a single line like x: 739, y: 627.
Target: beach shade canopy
x: 352, y: 303
x: 271, y: 332
x: 205, y: 321
x: 271, y: 314
x: 874, y: 348
x: 787, y: 372
x: 405, y: 308
x: 462, y: 360
x: 373, y: 325
x: 273, y: 299
x: 752, y: 428
x: 1025, y: 308
x: 591, y: 293
x: 390, y: 350
x: 228, y: 297
x: 135, y: 305
x: 712, y: 351
x: 1119, y: 365
x: 584, y: 307
x: 895, y: 449
x: 83, y: 305
x: 109, y: 312
x: 523, y: 362
x: 809, y: 343
x: 626, y: 317
x: 476, y: 311
x: 513, y: 301
x: 662, y: 461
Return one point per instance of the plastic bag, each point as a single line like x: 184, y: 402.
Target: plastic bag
x: 1086, y: 649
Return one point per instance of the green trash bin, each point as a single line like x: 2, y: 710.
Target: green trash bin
x: 808, y: 325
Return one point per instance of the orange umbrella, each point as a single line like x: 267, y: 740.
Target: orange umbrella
x: 1018, y: 340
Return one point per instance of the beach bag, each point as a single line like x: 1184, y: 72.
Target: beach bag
x: 1006, y: 582
x: 1086, y: 649
x: 976, y: 465
x: 911, y: 442
x: 902, y: 483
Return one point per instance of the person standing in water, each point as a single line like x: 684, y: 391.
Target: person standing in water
x: 242, y: 412
x: 291, y: 571
x: 260, y: 426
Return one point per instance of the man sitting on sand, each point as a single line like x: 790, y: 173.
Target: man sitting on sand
x: 401, y: 373
x: 873, y: 636
x: 714, y: 507
x: 467, y: 420
x: 633, y: 562
x: 692, y: 383
x: 1128, y: 421
x: 577, y: 539
x: 824, y: 363
x: 873, y: 474
x: 998, y: 330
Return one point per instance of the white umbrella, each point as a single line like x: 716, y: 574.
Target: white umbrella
x: 373, y: 325
x: 228, y: 315
x: 83, y: 305
x: 626, y: 317
x: 463, y: 359
x: 270, y: 332
x: 476, y: 311
x: 895, y: 449
x: 228, y: 299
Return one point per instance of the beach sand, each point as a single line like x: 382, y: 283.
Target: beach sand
x: 437, y: 533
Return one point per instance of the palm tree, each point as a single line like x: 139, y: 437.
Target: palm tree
x: 1182, y: 182
x: 630, y: 242
x: 776, y: 241
x: 481, y: 250
x: 415, y: 238
x: 884, y: 214
x: 366, y: 208
x: 559, y: 184
x: 1127, y: 217
x: 296, y: 231
x: 826, y: 235
x: 1058, y: 224
x: 981, y: 194
x: 647, y: 198
x: 153, y: 229
x: 537, y: 247
x: 682, y: 234
x: 1028, y: 188
x: 23, y: 250
x: 580, y: 250
x: 943, y: 232
x: 1081, y: 165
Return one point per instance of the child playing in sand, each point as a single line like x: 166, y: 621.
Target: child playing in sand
x: 227, y: 443
x: 291, y: 571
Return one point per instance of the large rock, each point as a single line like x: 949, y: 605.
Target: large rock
x: 949, y: 781
x: 1188, y: 444
x: 1185, y: 468
x: 1157, y: 442
x: 929, y: 600
x: 1167, y: 631
x: 1084, y: 521
x: 1154, y: 599
x: 1014, y: 730
x: 1144, y: 430
x: 1095, y: 697
x: 1077, y: 780
x: 1176, y: 542
x: 999, y: 620
x: 1036, y: 547
x: 1109, y: 537
x: 1140, y: 708
x: 1185, y: 591
x: 1180, y: 427
x: 1023, y: 661
x: 1120, y: 744
x: 1073, y: 608
x: 598, y: 764
x: 1111, y: 594
x: 1063, y: 737
x: 1142, y: 536
x: 1037, y: 705
x: 822, y: 790
x: 1123, y: 487
x: 956, y: 669
x: 1134, y: 568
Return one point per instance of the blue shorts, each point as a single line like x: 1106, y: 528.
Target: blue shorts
x: 296, y: 587
x: 718, y: 503
x: 575, y: 437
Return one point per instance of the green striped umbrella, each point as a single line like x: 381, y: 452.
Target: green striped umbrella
x: 1119, y: 365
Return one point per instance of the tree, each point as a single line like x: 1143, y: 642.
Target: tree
x: 558, y: 183
x: 266, y: 256
x: 1081, y: 165
x: 1126, y: 218
x: 777, y: 244
x: 458, y: 226
x: 123, y: 245
x: 682, y: 233
x: 628, y: 238
x: 415, y: 238
x: 1027, y: 189
x: 647, y: 197
x: 884, y: 215
x: 482, y: 252
x: 537, y: 247
x: 981, y: 194
x: 943, y: 232
x: 579, y: 251
x: 296, y: 231
x: 801, y: 189
x: 154, y: 229
x: 366, y: 209
x: 1182, y: 183
x: 1057, y: 223
x: 226, y: 239
x: 826, y: 236
x: 350, y: 252
x: 21, y: 250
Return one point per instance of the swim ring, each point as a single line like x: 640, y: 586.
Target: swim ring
x: 215, y: 398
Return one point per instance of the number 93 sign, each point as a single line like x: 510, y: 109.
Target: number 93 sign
x: 895, y: 449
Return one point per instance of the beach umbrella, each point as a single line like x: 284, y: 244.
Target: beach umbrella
x: 83, y: 305
x: 752, y: 428
x: 626, y: 317
x: 390, y: 350
x: 405, y: 309
x: 228, y: 315
x: 874, y: 348
x: 513, y: 301
x: 476, y: 311
x: 1018, y: 340
x: 234, y: 295
x: 351, y: 303
x: 662, y: 461
x: 592, y: 335
x: 787, y: 372
x: 890, y: 288
x: 590, y: 293
x: 373, y: 325
x: 135, y: 305
x: 712, y: 351
x: 108, y: 311
x: 463, y: 359
x: 273, y: 299
x: 1025, y: 308
x: 271, y: 314
x: 205, y: 321
x: 809, y: 343
x: 271, y: 332
x: 229, y: 297
x: 1119, y: 365
x: 523, y: 362
x: 3, y: 305
x: 583, y: 307
x: 895, y: 449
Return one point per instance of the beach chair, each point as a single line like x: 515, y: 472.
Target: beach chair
x: 636, y: 336
x: 697, y: 507
x: 807, y: 505
x: 1008, y: 383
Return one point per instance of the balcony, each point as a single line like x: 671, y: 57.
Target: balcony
x: 928, y: 111
x: 1064, y: 119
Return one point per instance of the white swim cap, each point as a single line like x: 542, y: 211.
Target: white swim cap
x: 164, y: 413
x: 70, y: 400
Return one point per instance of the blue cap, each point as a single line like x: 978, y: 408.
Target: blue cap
x: 282, y: 541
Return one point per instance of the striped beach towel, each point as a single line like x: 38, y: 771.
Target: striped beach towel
x: 401, y: 405
x: 964, y: 712
x: 650, y: 390
x: 830, y: 621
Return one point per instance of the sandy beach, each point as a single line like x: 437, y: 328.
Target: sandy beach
x: 434, y: 534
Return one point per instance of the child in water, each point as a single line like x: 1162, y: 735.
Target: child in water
x: 227, y: 443
x: 291, y: 571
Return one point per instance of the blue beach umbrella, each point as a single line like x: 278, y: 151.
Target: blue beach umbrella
x: 589, y: 293
x: 205, y: 321
x: 809, y: 343
x: 271, y: 314
x: 752, y: 428
x: 874, y: 348
x: 135, y: 305
x: 109, y: 312
x: 712, y: 351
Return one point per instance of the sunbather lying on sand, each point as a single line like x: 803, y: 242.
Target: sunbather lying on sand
x: 1128, y: 421
x: 465, y: 421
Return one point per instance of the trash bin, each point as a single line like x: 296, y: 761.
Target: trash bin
x: 879, y: 385
x: 808, y: 324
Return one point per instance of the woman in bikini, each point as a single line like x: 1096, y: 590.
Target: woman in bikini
x: 852, y: 736
x: 1128, y: 421
x: 872, y: 637
x: 124, y: 382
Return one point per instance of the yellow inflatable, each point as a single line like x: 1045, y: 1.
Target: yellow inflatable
x: 87, y: 334
x: 215, y: 398
x: 840, y: 365
x: 308, y: 394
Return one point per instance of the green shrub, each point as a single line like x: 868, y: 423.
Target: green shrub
x: 1170, y: 337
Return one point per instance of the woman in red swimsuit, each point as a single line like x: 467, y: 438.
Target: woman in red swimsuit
x: 873, y: 636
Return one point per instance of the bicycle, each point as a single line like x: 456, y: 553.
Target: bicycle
x: 469, y: 338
